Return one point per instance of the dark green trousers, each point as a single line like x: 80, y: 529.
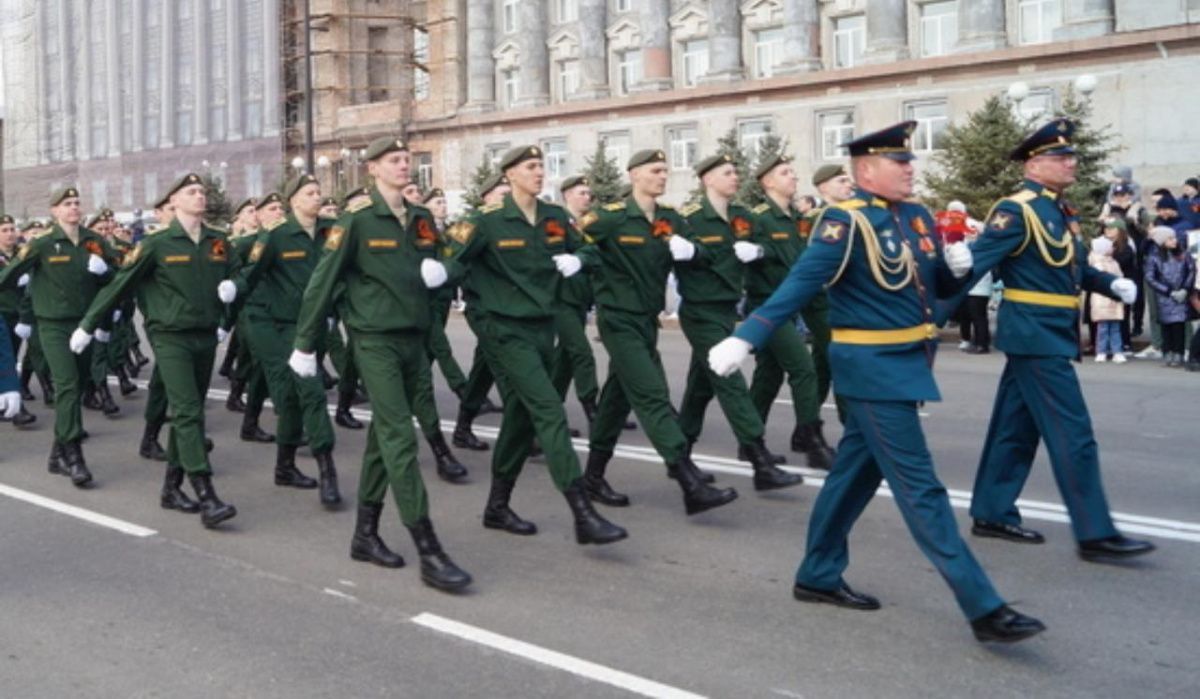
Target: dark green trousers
x: 523, y: 350
x: 439, y: 346
x: 481, y: 378
x: 300, y: 403
x: 35, y: 356
x: 343, y: 360
x: 573, y: 358
x: 249, y: 370
x: 156, y: 395
x: 705, y: 325
x: 816, y: 318
x: 635, y: 378
x: 786, y: 354
x: 185, y: 362
x: 391, y: 364
x: 69, y: 371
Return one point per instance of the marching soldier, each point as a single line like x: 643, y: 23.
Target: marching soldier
x: 780, y: 232
x: 96, y: 395
x: 10, y: 380
x: 278, y: 270
x: 183, y: 275
x: 67, y: 266
x: 10, y: 312
x: 439, y: 345
x: 34, y: 364
x: 882, y: 268
x: 245, y: 223
x: 339, y: 352
x: 383, y: 257
x: 515, y: 253
x: 573, y: 358
x: 1043, y: 266
x: 631, y: 245
x: 711, y: 288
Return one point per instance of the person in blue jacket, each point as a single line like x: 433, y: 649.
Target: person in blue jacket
x: 1028, y: 242
x: 10, y: 380
x: 877, y: 255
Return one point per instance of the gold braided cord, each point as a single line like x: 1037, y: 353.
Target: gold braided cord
x: 879, y: 263
x: 1035, y: 231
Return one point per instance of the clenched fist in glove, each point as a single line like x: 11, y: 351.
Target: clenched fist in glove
x: 23, y: 330
x: 959, y: 259
x: 433, y: 273
x: 727, y: 355
x: 682, y: 249
x: 567, y: 265
x: 97, y: 265
x: 10, y: 404
x: 747, y: 252
x: 79, y: 341
x: 227, y: 291
x: 1126, y: 289
x: 303, y: 363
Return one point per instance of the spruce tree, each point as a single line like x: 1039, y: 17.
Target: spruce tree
x: 473, y: 198
x: 218, y: 210
x: 1093, y: 147
x: 604, y: 175
x: 973, y: 165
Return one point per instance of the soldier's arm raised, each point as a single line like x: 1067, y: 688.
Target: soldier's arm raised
x: 340, y: 245
x: 137, y: 264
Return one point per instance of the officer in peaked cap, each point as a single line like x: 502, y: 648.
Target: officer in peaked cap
x: 1027, y: 240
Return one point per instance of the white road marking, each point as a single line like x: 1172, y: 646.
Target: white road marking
x: 77, y: 512
x: 560, y: 661
x: 348, y: 583
x: 339, y: 594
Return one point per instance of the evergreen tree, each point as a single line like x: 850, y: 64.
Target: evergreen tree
x: 973, y: 165
x: 750, y: 192
x: 218, y: 210
x: 604, y: 175
x: 1093, y: 147
x: 472, y: 197
x: 727, y: 145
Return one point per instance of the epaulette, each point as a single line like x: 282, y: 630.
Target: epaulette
x: 489, y: 208
x: 850, y: 204
x: 1024, y: 196
x: 690, y: 209
x: 761, y: 209
x: 615, y: 206
x: 155, y: 228
x: 660, y: 205
x: 275, y: 224
x: 359, y: 206
x: 219, y: 229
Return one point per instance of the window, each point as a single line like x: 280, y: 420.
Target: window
x: 421, y: 84
x: 624, y: 5
x: 939, y: 27
x: 695, y: 61
x: 127, y: 191
x: 555, y: 154
x: 1037, y: 20
x: 568, y: 79
x: 511, y: 85
x: 931, y: 121
x: 1038, y: 104
x: 629, y: 70
x: 751, y: 134
x: 96, y: 57
x: 683, y: 142
x: 185, y: 67
x: 424, y: 163
x: 494, y: 151
x: 250, y: 35
x: 217, y: 72
x: 217, y: 116
x: 150, y: 184
x: 617, y: 146
x: 510, y: 16
x: 568, y: 10
x: 377, y: 64
x: 99, y: 193
x: 834, y: 129
x: 768, y: 51
x: 849, y: 39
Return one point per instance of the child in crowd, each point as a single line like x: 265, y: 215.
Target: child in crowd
x: 1107, y: 313
x: 1171, y: 272
x: 1116, y: 230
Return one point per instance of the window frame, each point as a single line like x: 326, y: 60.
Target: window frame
x: 690, y: 155
x: 1044, y: 9
x: 845, y: 133
x: 839, y: 36
x: 945, y: 40
x: 557, y: 162
x: 925, y: 136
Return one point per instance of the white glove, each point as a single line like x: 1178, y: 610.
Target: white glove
x: 79, y: 341
x: 23, y: 280
x: 303, y: 363
x: 568, y: 265
x: 96, y: 264
x: 959, y: 259
x: 10, y: 404
x: 102, y: 335
x: 682, y: 249
x: 727, y: 355
x: 222, y: 335
x: 1126, y: 289
x: 23, y: 330
x: 226, y: 291
x: 117, y: 316
x: 433, y: 272
x: 747, y: 252
x: 1179, y: 295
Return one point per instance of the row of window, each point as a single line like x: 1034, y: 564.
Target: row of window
x: 152, y: 182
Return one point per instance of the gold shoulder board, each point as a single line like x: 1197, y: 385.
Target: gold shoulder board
x: 761, y: 209
x: 489, y: 208
x: 359, y: 205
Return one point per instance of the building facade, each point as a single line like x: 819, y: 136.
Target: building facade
x: 122, y: 96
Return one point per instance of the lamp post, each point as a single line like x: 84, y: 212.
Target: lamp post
x: 298, y: 164
x: 308, y: 88
x: 1085, y: 85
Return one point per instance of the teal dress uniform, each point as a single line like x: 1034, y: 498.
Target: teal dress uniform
x: 883, y: 269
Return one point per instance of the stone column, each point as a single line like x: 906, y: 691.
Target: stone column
x: 593, y: 58
x: 981, y: 26
x: 233, y: 73
x: 116, y: 110
x: 81, y: 46
x: 656, y: 45
x: 139, y: 57
x: 200, y: 70
x: 724, y: 42
x: 801, y: 37
x: 887, y: 31
x: 66, y: 80
x: 1083, y: 19
x: 481, y: 67
x: 271, y: 68
x: 532, y: 23
x: 166, y: 75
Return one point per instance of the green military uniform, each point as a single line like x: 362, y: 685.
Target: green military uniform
x: 573, y: 358
x: 248, y: 369
x: 440, y: 349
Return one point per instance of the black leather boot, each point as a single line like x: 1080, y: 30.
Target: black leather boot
x: 234, y: 402
x: 463, y: 437
x: 590, y: 526
x: 768, y: 476
x: 23, y: 417
x: 226, y: 369
x: 47, y: 386
x: 286, y: 473
x: 126, y: 385
x: 150, y: 448
x: 343, y: 417
x: 54, y: 464
x: 212, y: 510
x: 698, y: 496
x: 72, y: 457
x: 808, y: 440
x: 499, y: 515
x: 107, y: 404
x: 173, y: 497
x: 437, y: 570
x: 91, y: 399
x: 595, y: 484
x: 26, y: 377
x: 366, y: 544
x: 138, y: 356
x: 330, y: 497
x: 448, y: 468
x: 490, y: 407
x: 704, y: 476
x: 251, y: 432
x: 743, y: 454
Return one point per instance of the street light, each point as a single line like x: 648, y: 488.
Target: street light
x: 298, y: 164
x: 323, y: 162
x: 1018, y: 91
x: 1085, y: 84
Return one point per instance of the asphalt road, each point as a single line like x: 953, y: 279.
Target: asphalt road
x: 271, y: 605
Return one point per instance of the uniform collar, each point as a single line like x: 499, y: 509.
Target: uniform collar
x: 512, y: 211
x: 381, y: 208
x: 790, y: 213
x: 870, y: 198
x: 57, y: 233
x: 175, y: 230
x: 710, y: 211
x: 1038, y: 188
